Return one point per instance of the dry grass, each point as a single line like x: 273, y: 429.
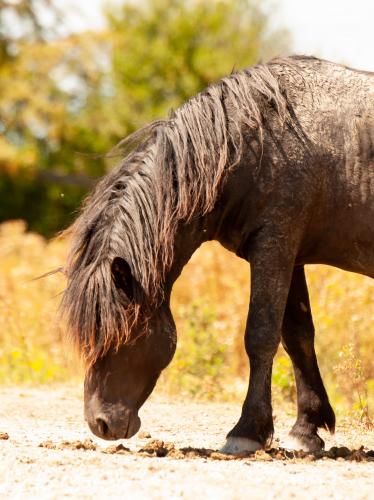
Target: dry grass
x: 30, y: 343
x: 210, y: 303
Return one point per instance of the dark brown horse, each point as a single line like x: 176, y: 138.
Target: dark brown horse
x: 276, y: 163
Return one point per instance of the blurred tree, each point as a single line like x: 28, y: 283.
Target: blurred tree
x: 20, y: 21
x: 165, y: 51
x: 84, y: 92
x: 45, y: 84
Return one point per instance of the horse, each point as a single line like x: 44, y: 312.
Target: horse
x: 275, y: 162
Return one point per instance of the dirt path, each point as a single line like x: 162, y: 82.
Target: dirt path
x: 62, y: 467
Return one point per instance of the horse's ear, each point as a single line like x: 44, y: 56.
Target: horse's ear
x: 122, y: 276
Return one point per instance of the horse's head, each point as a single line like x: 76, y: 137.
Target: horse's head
x: 121, y: 378
x: 118, y: 384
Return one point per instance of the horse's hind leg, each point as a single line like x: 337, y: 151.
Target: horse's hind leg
x: 314, y: 409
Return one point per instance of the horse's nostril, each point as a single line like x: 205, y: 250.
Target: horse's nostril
x: 102, y: 427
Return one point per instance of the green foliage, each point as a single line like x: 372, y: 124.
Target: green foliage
x: 31, y: 366
x: 41, y: 133
x: 83, y: 93
x: 283, y: 379
x: 165, y: 51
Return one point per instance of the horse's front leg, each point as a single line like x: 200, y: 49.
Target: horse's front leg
x: 271, y: 272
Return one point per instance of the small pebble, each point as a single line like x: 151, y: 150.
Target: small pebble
x: 144, y: 435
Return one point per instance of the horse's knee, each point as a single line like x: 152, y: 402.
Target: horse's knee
x: 261, y: 344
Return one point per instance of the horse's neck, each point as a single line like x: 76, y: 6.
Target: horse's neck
x: 188, y: 239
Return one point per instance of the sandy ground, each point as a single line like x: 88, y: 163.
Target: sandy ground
x: 62, y: 467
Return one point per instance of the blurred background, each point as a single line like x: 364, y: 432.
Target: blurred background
x: 74, y: 80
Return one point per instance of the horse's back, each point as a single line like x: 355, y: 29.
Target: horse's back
x: 334, y: 106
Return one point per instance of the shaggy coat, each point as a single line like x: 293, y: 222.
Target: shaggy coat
x: 277, y: 163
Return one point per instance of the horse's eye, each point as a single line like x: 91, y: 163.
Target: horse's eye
x: 122, y: 276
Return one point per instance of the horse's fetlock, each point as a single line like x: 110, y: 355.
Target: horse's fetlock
x: 305, y: 437
x: 255, y: 425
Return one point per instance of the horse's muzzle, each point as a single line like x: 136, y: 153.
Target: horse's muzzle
x: 117, y: 423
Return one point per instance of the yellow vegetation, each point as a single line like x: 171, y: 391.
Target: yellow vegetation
x: 209, y: 303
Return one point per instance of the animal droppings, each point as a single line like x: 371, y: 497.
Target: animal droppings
x: 160, y: 449
x: 119, y: 448
x: 87, y: 444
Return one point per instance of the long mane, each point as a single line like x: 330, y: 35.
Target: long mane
x: 174, y: 171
